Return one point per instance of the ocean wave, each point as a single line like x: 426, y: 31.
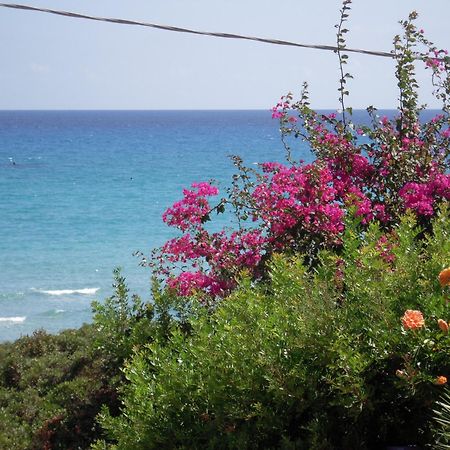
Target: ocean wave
x: 52, y: 313
x: 84, y: 291
x: 12, y: 319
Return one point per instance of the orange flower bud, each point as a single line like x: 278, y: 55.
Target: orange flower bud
x: 444, y: 277
x: 412, y: 320
x: 440, y: 380
x: 443, y: 325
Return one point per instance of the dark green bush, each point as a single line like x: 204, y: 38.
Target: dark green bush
x: 51, y: 389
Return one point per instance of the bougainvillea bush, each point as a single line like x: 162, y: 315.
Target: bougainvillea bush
x: 379, y: 171
x: 321, y: 321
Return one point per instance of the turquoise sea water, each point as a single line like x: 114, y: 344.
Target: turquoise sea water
x: 81, y: 191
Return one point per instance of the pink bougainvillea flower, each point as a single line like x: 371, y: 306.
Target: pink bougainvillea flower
x: 440, y: 380
x: 443, y: 325
x: 412, y: 320
x: 444, y: 277
x: 276, y: 113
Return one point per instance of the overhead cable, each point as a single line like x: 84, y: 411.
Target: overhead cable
x: 197, y: 32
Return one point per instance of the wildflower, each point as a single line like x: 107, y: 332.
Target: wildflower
x: 444, y: 277
x: 412, y: 320
x: 440, y: 380
x: 443, y: 325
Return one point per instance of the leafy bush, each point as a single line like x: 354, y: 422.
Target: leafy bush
x: 121, y: 323
x: 51, y: 389
x: 309, y: 359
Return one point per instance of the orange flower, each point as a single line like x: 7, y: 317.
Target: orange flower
x: 444, y: 277
x: 440, y: 380
x: 443, y: 325
x: 412, y: 320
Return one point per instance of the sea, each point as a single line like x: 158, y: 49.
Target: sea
x: 82, y: 191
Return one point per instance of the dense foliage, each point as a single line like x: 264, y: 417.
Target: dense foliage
x: 51, y: 389
x: 309, y: 359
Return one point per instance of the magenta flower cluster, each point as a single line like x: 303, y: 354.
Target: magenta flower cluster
x: 373, y: 173
x: 289, y: 196
x: 188, y: 213
x: 291, y: 207
x: 421, y: 197
x: 196, y: 247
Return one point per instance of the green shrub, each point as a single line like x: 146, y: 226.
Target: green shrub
x: 121, y: 323
x: 51, y: 389
x: 310, y: 359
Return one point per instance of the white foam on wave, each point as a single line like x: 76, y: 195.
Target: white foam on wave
x: 13, y: 319
x: 84, y: 291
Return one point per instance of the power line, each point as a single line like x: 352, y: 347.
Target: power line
x: 197, y: 32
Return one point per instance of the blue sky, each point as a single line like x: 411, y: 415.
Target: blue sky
x: 51, y: 62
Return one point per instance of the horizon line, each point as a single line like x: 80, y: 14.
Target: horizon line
x: 179, y: 109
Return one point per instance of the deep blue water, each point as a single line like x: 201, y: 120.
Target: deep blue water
x: 80, y: 191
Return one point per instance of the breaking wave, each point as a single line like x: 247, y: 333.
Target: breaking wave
x: 84, y: 291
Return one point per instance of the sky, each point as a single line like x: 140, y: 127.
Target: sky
x: 52, y: 62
